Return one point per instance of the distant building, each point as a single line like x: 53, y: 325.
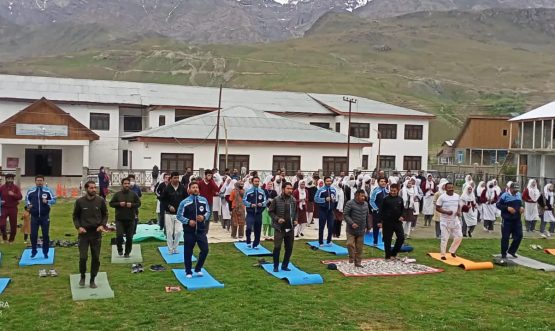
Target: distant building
x: 483, y: 140
x: 445, y: 155
x: 533, y: 142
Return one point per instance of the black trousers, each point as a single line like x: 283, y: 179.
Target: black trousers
x: 288, y: 238
x: 93, y: 240
x: 127, y: 228
x: 387, y: 231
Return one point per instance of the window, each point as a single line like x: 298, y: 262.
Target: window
x: 505, y: 132
x: 161, y: 120
x: 176, y: 162
x: 321, y: 124
x: 181, y: 114
x: 412, y: 162
x: 234, y: 162
x: 100, y: 121
x: 132, y: 123
x: 360, y: 130
x: 337, y: 127
x: 365, y: 162
x: 387, y: 131
x: 290, y: 163
x: 413, y: 132
x: 334, y: 164
x: 125, y: 158
x: 387, y: 162
x: 460, y: 157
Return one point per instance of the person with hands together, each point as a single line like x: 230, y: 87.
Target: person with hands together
x: 356, y: 215
x: 393, y: 208
x: 255, y: 201
x: 283, y: 211
x: 126, y: 202
x: 510, y: 204
x: 449, y: 209
x: 39, y: 199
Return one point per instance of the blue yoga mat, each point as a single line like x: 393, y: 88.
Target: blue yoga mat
x: 3, y: 284
x: 333, y: 249
x: 197, y: 283
x: 369, y: 241
x: 295, y: 277
x: 261, y: 251
x: 26, y: 259
x: 173, y: 258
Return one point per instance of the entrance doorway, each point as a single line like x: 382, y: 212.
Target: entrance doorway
x: 47, y: 162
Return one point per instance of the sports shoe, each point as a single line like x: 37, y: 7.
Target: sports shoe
x: 120, y: 253
x: 453, y: 255
x: 285, y: 269
x: 443, y: 258
x: 249, y: 245
x: 408, y: 260
x: 513, y: 255
x: 199, y: 274
x: 134, y: 269
x: 126, y: 256
x: 46, y: 256
x: 42, y: 273
x: 359, y: 265
x: 92, y: 284
x: 140, y: 267
x: 33, y: 255
x: 256, y: 247
x: 53, y: 273
x: 543, y: 235
x: 189, y: 276
x: 276, y: 269
x: 322, y: 245
x: 82, y: 282
x: 548, y: 234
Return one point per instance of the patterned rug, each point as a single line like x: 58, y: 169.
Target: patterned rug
x: 380, y: 267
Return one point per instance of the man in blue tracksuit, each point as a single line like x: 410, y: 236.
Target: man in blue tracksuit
x: 510, y: 204
x: 326, y: 199
x: 255, y: 201
x: 39, y: 199
x: 376, y: 198
x: 194, y: 213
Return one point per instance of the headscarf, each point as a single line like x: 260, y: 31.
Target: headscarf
x: 229, y: 187
x: 441, y: 185
x: 480, y: 188
x: 409, y: 194
x: 548, y: 193
x: 533, y: 190
x: 491, y: 193
x: 508, y: 186
x: 468, y: 181
x: 468, y: 196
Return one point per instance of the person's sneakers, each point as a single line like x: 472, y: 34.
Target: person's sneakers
x: 53, y: 273
x: 199, y: 273
x: 322, y: 245
x: 543, y: 235
x: 470, y: 235
x: 453, y: 255
x: 256, y: 247
x: 548, y: 233
x: 189, y: 276
x: 358, y: 265
x: 42, y: 273
x: 82, y: 281
x: 46, y: 256
x: 156, y: 267
x: 140, y: 267
x: 443, y: 258
x: 297, y: 236
x: 285, y: 269
x: 134, y: 269
x: 375, y: 245
x: 302, y: 234
x: 513, y: 255
x: 408, y: 260
x: 33, y: 255
x: 92, y: 284
x: 120, y: 253
x: 249, y: 245
x: 126, y: 256
x: 276, y: 269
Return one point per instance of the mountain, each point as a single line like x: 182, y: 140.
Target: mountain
x: 223, y: 21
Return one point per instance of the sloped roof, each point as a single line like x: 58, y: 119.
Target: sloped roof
x: 449, y: 143
x: 148, y: 94
x: 247, y: 124
x: 544, y: 112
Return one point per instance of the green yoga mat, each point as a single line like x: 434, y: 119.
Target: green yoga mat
x: 135, y: 257
x: 103, y: 291
x: 145, y: 232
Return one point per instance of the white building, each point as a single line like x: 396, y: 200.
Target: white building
x: 532, y: 137
x: 111, y: 110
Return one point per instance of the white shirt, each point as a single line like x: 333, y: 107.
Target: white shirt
x: 448, y: 202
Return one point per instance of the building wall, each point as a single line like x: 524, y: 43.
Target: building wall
x: 154, y: 115
x: 72, y: 157
x: 486, y: 134
x: 146, y: 155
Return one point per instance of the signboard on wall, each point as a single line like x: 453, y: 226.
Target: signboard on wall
x: 12, y: 162
x: 41, y: 130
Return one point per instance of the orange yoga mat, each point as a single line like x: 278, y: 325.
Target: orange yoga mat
x: 550, y: 251
x: 463, y: 263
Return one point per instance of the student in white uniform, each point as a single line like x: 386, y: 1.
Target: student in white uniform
x: 530, y: 196
x: 449, y: 209
x: 469, y: 211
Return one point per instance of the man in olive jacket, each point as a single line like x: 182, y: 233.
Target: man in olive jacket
x: 126, y: 202
x: 283, y: 211
x: 90, y: 215
x: 356, y: 215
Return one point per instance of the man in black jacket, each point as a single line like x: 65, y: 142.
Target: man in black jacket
x: 90, y: 215
x: 126, y: 203
x: 283, y: 211
x: 392, y: 222
x: 171, y: 197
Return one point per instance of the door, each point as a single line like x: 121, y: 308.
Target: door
x: 46, y: 162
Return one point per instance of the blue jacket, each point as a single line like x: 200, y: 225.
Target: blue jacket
x: 376, y: 198
x: 255, y: 195
x: 34, y: 198
x: 189, y: 209
x: 137, y: 189
x: 323, y: 193
x: 508, y: 200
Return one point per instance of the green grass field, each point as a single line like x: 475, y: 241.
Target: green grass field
x: 499, y: 299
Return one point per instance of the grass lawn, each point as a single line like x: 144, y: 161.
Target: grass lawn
x: 499, y: 299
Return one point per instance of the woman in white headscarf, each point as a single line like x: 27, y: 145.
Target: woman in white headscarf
x: 267, y: 227
x: 468, y: 181
x: 301, y: 196
x: 488, y: 199
x: 479, y: 190
x: 530, y: 196
x: 225, y: 190
x: 429, y: 188
x: 469, y: 210
x: 338, y: 212
x: 548, y: 216
x: 440, y: 191
x: 411, y: 199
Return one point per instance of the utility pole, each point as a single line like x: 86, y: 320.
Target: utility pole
x: 218, y: 130
x: 350, y: 101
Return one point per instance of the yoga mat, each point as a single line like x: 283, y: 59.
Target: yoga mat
x: 528, y: 262
x: 333, y: 249
x: 145, y: 232
x: 463, y: 263
x: 380, y: 267
x: 547, y: 250
x: 369, y: 241
x: 197, y: 283
x: 39, y: 259
x: 173, y: 258
x: 135, y: 257
x: 261, y: 251
x: 295, y: 277
x: 3, y: 284
x: 103, y: 291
